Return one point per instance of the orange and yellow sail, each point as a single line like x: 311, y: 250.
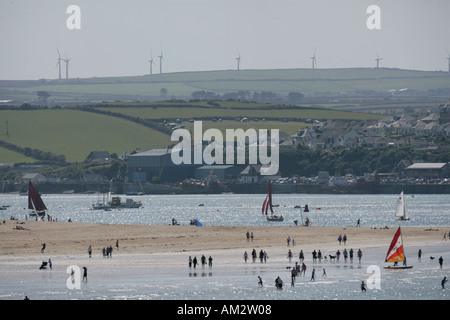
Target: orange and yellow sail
x: 395, y: 252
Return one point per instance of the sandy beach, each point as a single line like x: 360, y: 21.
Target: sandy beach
x: 22, y: 238
x: 151, y: 261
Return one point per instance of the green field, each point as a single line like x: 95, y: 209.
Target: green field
x: 75, y: 133
x: 202, y: 113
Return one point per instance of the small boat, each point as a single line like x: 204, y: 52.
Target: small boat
x: 401, y: 212
x: 396, y: 252
x: 116, y: 203
x: 267, y: 205
x: 35, y: 202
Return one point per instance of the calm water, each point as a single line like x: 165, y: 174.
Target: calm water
x: 235, y: 210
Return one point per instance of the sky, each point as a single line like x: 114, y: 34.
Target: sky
x: 118, y: 37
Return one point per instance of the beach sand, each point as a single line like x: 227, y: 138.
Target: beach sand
x: 23, y: 238
x: 151, y: 262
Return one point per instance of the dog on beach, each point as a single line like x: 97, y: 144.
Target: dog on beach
x: 332, y: 257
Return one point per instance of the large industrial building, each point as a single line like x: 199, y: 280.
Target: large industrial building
x: 157, y: 165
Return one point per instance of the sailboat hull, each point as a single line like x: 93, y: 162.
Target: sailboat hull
x: 398, y: 267
x: 40, y: 213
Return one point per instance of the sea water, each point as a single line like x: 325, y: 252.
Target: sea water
x: 165, y: 276
x: 242, y: 209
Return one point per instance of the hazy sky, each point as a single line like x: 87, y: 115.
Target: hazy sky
x: 117, y: 37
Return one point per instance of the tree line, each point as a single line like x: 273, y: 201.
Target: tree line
x: 307, y: 162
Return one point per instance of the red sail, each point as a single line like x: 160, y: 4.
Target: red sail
x: 267, y: 204
x: 34, y: 199
x: 395, y: 252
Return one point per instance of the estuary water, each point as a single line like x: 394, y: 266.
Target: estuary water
x: 242, y: 209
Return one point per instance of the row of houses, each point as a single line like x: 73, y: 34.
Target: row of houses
x: 389, y: 132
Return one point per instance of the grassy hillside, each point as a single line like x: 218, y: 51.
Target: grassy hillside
x: 181, y: 85
x: 75, y: 133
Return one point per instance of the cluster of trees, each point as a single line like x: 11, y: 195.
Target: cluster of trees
x: 306, y: 162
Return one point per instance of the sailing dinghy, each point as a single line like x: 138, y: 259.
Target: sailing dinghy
x: 267, y: 205
x: 396, y: 252
x: 401, y: 212
x: 35, y: 202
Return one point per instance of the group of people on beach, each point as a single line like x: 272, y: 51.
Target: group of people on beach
x: 193, y: 262
x: 106, y: 251
x: 263, y: 256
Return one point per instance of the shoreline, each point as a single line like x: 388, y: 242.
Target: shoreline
x: 25, y: 238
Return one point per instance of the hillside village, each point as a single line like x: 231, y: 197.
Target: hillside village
x: 417, y: 131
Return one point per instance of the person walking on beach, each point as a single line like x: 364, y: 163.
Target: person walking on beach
x: 260, y: 282
x: 324, y: 274
x: 339, y: 239
x: 313, y: 275
x: 245, y: 256
x: 203, y: 258
x: 288, y: 240
x: 210, y: 259
x: 301, y: 256
x: 441, y: 261
x: 351, y: 255
x: 194, y: 262
x: 344, y: 239
x: 303, y: 269
x: 50, y: 263
x: 289, y: 255
x: 359, y: 255
x: 363, y: 287
x: 443, y: 282
x: 338, y: 254
x: 293, y: 275
x: 117, y: 244
x: 265, y: 256
x: 248, y: 236
x: 43, y: 247
x: 90, y: 251
x: 190, y: 262
x: 84, y: 274
x: 419, y: 255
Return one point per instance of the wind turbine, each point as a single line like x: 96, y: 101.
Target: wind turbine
x: 378, y: 59
x: 238, y: 59
x: 314, y: 62
x: 151, y: 66
x: 66, y: 60
x: 160, y: 63
x: 58, y: 64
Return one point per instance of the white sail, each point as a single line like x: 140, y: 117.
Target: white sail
x: 401, y: 208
